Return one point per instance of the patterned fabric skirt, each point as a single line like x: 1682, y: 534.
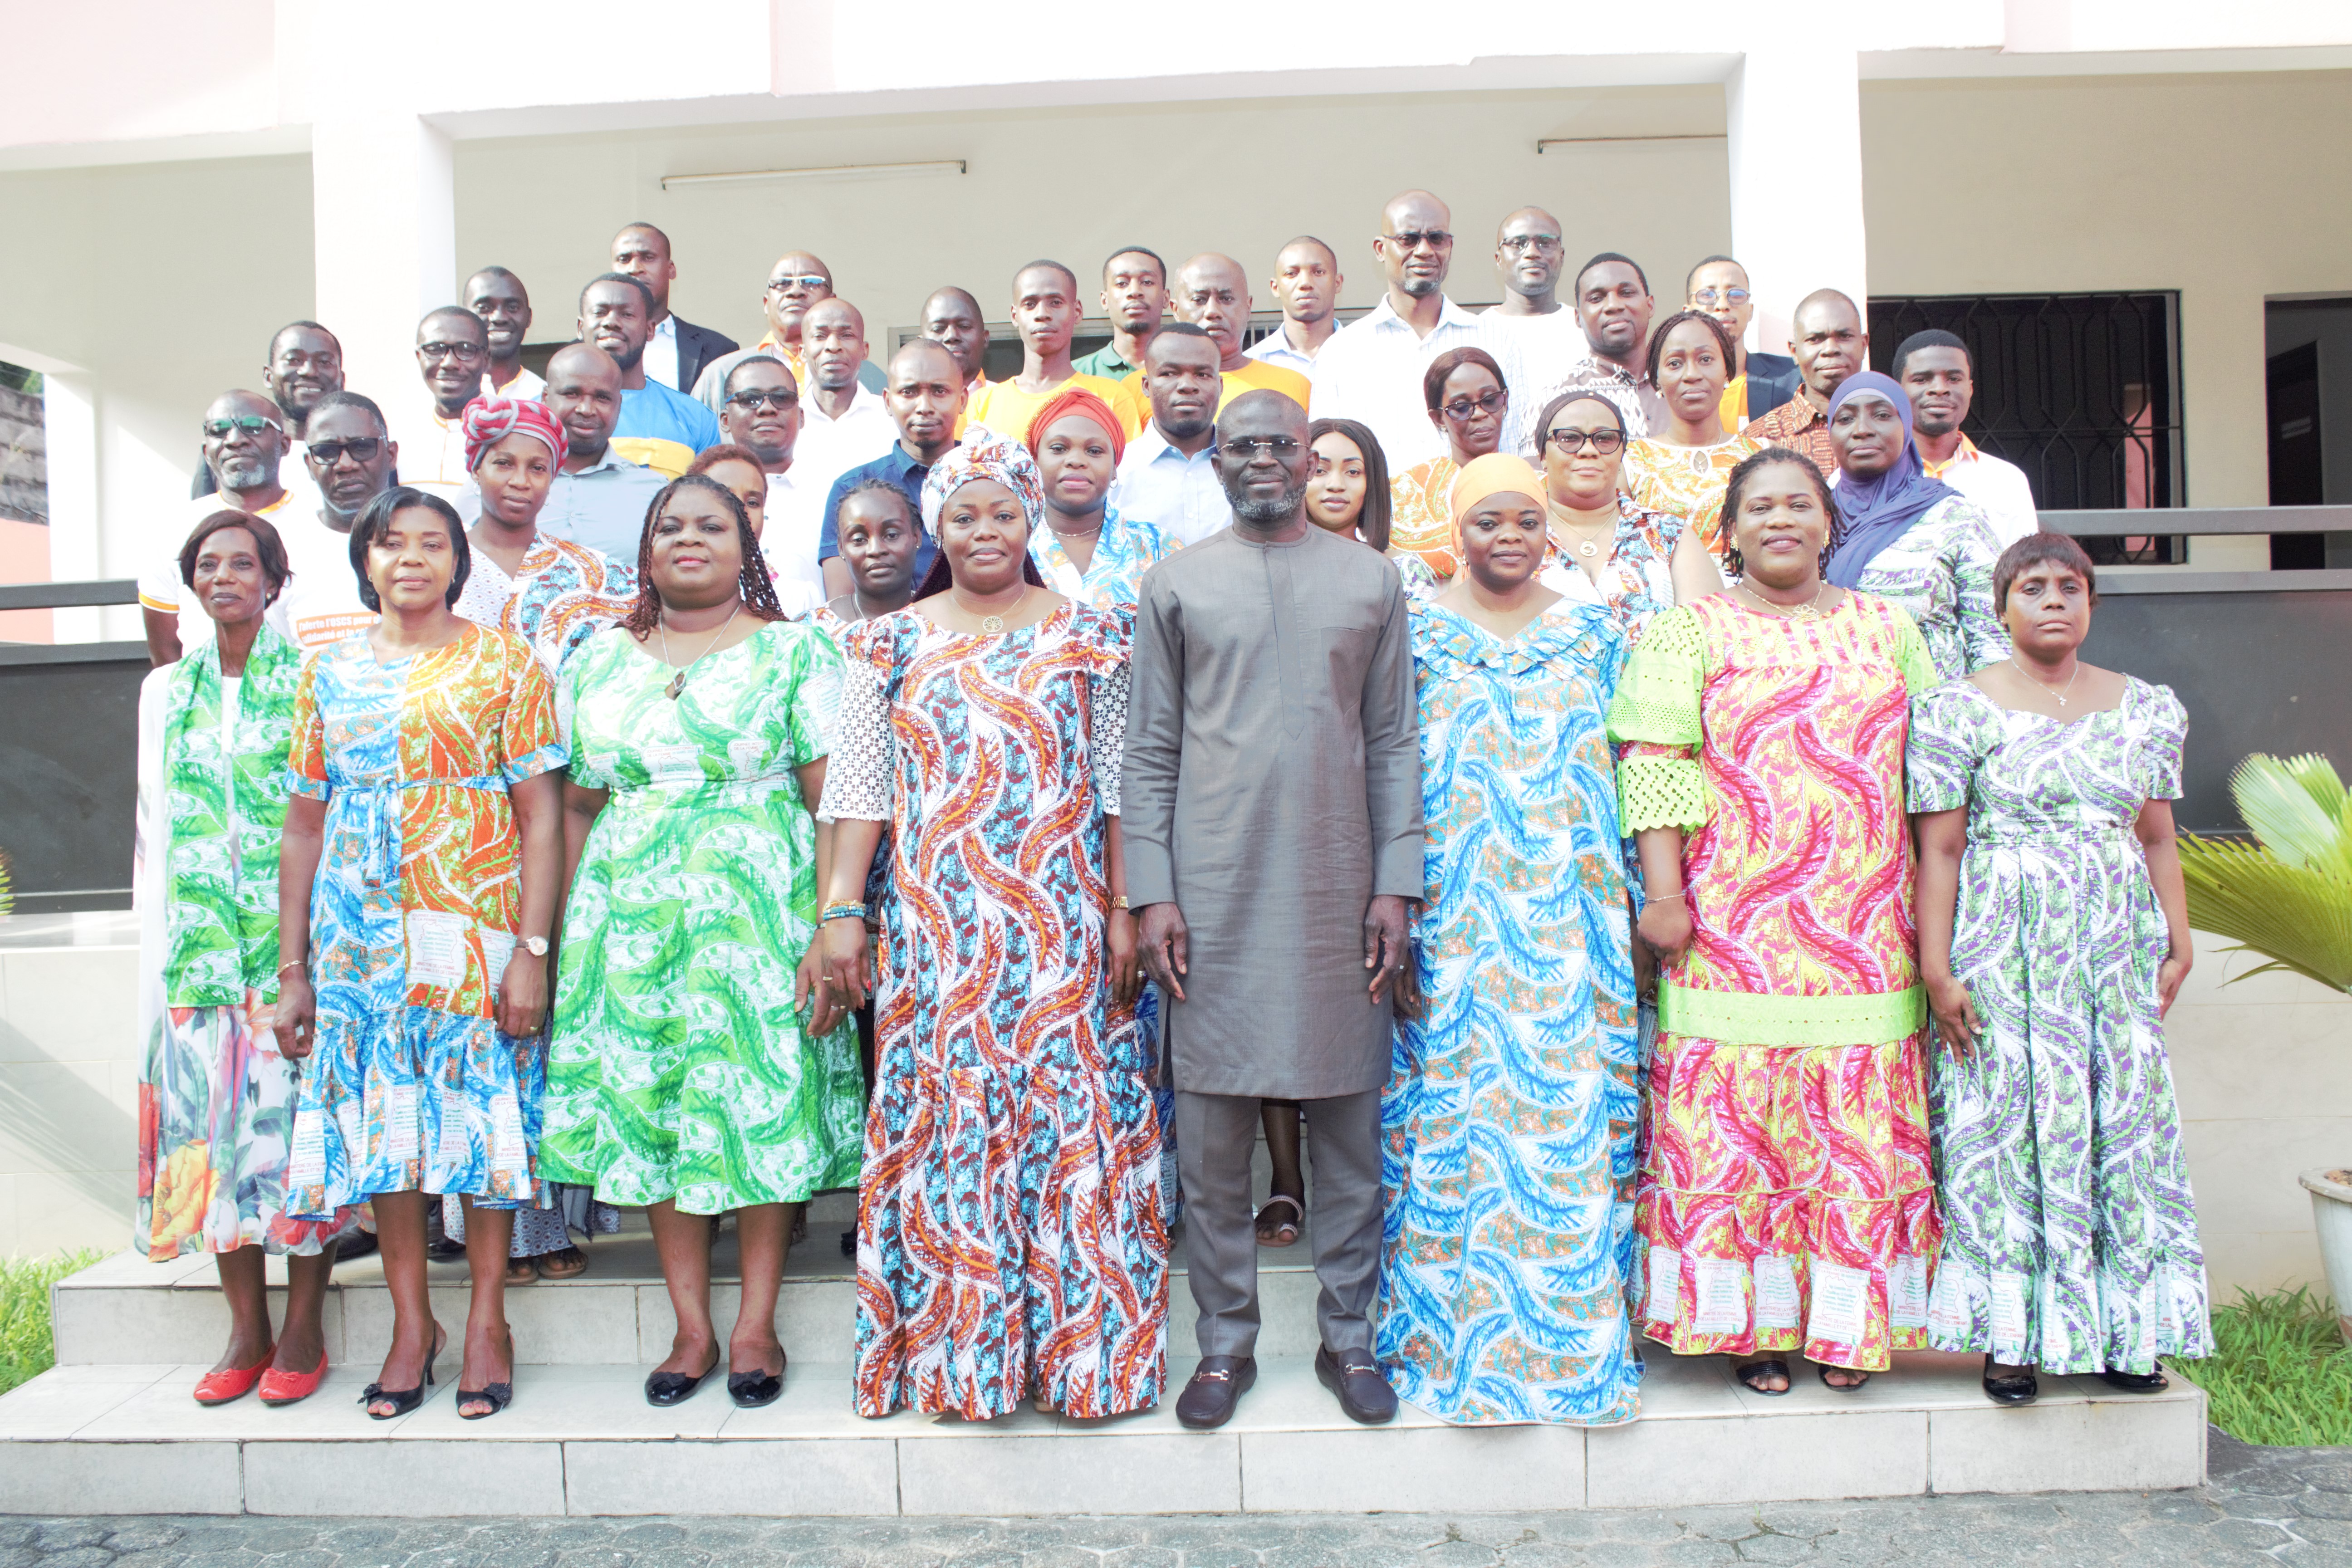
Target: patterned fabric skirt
x: 215, y: 1124
x: 1786, y: 1200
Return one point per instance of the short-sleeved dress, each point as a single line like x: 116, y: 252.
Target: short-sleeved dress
x: 411, y: 1086
x: 678, y: 1068
x: 1688, y: 481
x: 1009, y: 1234
x: 2070, y: 1238
x: 1940, y: 572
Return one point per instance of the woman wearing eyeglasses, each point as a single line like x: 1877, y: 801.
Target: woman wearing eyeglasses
x: 1684, y: 467
x: 1463, y: 392
x: 1605, y: 548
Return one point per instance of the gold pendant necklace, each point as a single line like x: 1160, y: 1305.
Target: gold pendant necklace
x: 677, y: 682
x: 1809, y: 611
x: 990, y: 625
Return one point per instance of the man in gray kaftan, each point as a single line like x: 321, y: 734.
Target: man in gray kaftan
x: 1272, y: 815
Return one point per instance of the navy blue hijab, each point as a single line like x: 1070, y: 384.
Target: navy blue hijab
x: 1876, y: 512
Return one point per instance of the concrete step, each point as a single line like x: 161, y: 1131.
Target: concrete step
x: 124, y: 1438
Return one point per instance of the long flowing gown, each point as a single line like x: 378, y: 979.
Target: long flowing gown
x: 1510, y: 1122
x: 1785, y: 1199
x: 678, y: 1067
x: 215, y: 1100
x: 2070, y: 1235
x: 411, y: 1086
x: 1009, y: 1235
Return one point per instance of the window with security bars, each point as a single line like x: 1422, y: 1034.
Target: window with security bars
x: 2081, y: 391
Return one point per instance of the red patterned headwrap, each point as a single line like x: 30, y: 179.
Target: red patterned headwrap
x: 489, y: 420
x: 1077, y: 399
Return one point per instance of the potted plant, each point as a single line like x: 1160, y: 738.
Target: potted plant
x: 2288, y: 896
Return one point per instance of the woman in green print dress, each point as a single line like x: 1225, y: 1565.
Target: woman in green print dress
x: 683, y: 1075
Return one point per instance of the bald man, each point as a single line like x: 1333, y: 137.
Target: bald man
x: 926, y: 399
x: 1829, y: 341
x: 843, y: 424
x: 676, y: 349
x: 1531, y: 334
x: 1213, y: 293
x: 798, y: 280
x: 598, y: 497
x: 1371, y: 370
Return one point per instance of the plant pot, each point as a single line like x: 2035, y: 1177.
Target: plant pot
x: 2331, y: 1216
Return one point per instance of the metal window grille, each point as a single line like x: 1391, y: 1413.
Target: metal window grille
x: 2082, y: 391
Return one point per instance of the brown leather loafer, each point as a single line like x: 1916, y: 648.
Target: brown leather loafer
x: 1217, y: 1389
x: 1356, y: 1378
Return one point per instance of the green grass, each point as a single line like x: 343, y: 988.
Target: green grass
x: 27, y: 1348
x: 2281, y: 1374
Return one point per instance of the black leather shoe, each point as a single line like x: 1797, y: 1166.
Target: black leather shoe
x: 1356, y: 1378
x: 2136, y: 1382
x: 664, y: 1389
x: 751, y: 1390
x: 2010, y: 1387
x: 1217, y: 1389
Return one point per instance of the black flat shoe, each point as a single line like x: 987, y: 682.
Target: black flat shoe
x: 1823, y: 1371
x: 664, y: 1389
x: 2136, y: 1382
x: 403, y: 1400
x: 1215, y: 1390
x: 1363, y: 1393
x: 1751, y: 1375
x: 498, y: 1395
x: 751, y: 1390
x: 2011, y: 1388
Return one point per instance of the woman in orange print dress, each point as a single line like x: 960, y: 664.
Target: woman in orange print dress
x: 1785, y: 1200
x: 1009, y: 1241
x: 1464, y: 391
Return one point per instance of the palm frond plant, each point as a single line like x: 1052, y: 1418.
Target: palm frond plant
x: 2288, y: 896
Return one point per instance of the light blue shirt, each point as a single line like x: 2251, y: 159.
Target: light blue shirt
x: 1179, y: 496
x: 603, y: 507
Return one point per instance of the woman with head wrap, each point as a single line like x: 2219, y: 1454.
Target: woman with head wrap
x: 1086, y: 550
x: 1010, y: 1242
x: 555, y: 595
x: 1912, y: 541
x: 1511, y: 1117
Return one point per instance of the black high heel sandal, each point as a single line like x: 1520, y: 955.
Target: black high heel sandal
x: 497, y: 1396
x: 403, y: 1400
x: 2010, y: 1387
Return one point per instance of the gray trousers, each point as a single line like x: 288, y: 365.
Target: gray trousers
x: 1215, y: 1136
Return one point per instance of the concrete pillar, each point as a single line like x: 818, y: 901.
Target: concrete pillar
x: 70, y: 433
x: 384, y: 234
x: 1794, y: 118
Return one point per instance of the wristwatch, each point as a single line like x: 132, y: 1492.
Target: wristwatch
x: 536, y: 946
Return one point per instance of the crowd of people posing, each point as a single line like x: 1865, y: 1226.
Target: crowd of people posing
x: 1683, y: 879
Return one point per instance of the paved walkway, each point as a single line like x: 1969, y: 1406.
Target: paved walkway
x: 2264, y: 1505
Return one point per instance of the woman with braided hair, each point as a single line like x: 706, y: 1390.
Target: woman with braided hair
x: 694, y: 1069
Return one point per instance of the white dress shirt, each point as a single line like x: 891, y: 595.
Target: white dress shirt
x: 1535, y: 351
x: 661, y: 353
x: 1275, y: 349
x: 1179, y: 496
x: 1369, y: 370
x: 789, y: 536
x: 830, y: 448
x: 1998, y: 488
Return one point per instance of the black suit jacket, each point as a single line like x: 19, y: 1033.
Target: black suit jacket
x: 697, y: 347
x: 1772, y: 380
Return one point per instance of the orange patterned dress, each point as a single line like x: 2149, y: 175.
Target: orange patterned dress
x: 1420, y: 515
x: 1785, y: 1200
x: 1687, y: 481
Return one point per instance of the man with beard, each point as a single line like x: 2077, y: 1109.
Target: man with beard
x: 245, y: 442
x: 660, y: 426
x: 499, y: 297
x: 1829, y: 343
x: 1271, y: 808
x: 598, y: 497
x: 843, y: 424
x: 1613, y: 305
x: 1371, y: 370
x: 305, y: 362
x: 1135, y: 298
x: 350, y: 459
x: 1940, y: 377
x: 1168, y: 477
x: 1212, y: 294
x: 1306, y: 281
x: 1531, y: 334
x: 766, y: 416
x: 926, y: 401
x: 676, y: 349
x: 452, y: 349
x: 1046, y: 315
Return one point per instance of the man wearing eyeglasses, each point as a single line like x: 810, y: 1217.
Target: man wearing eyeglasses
x: 1759, y: 382
x: 305, y: 362
x: 1613, y: 305
x: 676, y: 349
x: 350, y: 461
x: 1371, y: 369
x: 598, y: 497
x: 797, y: 282
x: 766, y: 415
x: 245, y: 445
x: 453, y: 350
x: 1271, y: 803
x: 1531, y: 334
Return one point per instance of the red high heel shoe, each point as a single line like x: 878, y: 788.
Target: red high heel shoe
x: 292, y: 1387
x: 233, y: 1382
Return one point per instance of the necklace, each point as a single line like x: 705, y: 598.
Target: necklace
x: 1590, y: 547
x: 1075, y: 533
x: 1809, y: 611
x: 992, y: 625
x: 677, y: 682
x: 2061, y: 693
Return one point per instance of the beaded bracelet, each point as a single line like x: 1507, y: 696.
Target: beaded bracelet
x: 842, y: 911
